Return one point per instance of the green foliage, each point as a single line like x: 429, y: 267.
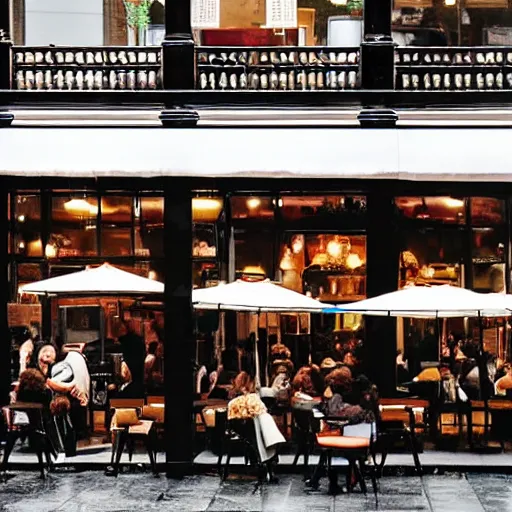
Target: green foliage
x: 354, y: 5
x: 137, y: 13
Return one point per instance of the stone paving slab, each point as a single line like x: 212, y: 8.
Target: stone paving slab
x: 92, y: 491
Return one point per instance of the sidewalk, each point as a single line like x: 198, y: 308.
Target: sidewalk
x: 98, y: 457
x: 91, y: 491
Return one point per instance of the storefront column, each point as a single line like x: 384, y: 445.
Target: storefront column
x: 377, y: 48
x: 5, y: 44
x: 382, y: 277
x: 179, y: 341
x: 5, y: 338
x: 178, y: 47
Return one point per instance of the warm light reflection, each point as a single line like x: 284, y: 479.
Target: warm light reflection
x: 80, y: 207
x: 152, y: 275
x: 353, y: 261
x: 50, y: 251
x: 253, y: 203
x: 451, y: 202
x: 206, y: 208
x: 254, y: 269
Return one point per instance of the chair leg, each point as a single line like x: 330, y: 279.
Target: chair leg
x: 9, y: 445
x: 119, y: 452
x: 225, y: 473
x: 149, y: 448
x: 131, y: 446
x: 315, y: 479
x: 414, y: 451
x: 360, y: 472
x: 37, y: 442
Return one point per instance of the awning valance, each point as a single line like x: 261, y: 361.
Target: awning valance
x: 422, y: 154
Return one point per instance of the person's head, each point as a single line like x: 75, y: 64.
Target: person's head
x: 60, y: 405
x: 308, y: 380
x: 340, y: 381
x: 349, y: 359
x: 243, y: 384
x: 152, y: 347
x: 32, y: 386
x: 44, y: 356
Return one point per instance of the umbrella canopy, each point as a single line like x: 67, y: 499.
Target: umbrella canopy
x: 103, y: 280
x: 260, y: 296
x: 430, y: 302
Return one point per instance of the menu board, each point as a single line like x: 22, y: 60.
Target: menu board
x: 205, y: 13
x: 281, y: 13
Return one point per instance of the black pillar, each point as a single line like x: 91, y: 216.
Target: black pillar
x: 382, y: 277
x: 5, y: 44
x: 179, y: 342
x: 178, y: 47
x: 377, y: 48
x: 5, y: 338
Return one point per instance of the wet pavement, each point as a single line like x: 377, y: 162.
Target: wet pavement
x: 92, y: 491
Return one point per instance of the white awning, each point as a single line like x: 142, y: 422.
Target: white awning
x: 423, y: 154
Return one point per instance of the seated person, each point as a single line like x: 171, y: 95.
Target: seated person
x: 335, y: 405
x: 307, y: 385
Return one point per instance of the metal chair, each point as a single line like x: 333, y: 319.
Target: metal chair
x: 352, y: 442
x: 31, y: 426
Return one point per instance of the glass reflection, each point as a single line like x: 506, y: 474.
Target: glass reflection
x: 74, y: 227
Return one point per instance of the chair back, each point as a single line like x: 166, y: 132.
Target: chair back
x: 155, y: 399
x: 126, y: 403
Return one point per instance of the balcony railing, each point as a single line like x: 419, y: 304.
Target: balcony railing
x: 460, y: 68
x: 285, y: 68
x: 86, y: 68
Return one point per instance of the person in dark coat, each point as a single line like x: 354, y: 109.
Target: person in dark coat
x: 133, y: 349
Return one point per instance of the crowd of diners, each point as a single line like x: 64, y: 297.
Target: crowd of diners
x: 60, y: 381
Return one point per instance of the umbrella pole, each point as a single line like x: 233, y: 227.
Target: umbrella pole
x: 267, y: 376
x: 102, y: 333
x: 257, y: 379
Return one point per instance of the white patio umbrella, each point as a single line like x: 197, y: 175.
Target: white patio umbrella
x: 100, y: 281
x: 257, y: 297
x: 103, y: 280
x: 430, y: 302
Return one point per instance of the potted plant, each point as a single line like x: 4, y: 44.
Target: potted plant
x: 138, y: 18
x: 355, y: 8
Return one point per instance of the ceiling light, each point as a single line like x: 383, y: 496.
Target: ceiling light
x: 449, y: 3
x: 253, y: 203
x: 21, y: 218
x: 339, y: 2
x: 452, y: 202
x: 80, y: 207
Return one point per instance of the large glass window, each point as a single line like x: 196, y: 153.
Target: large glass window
x: 452, y: 23
x: 331, y: 267
x: 449, y: 210
x: 294, y: 208
x: 116, y: 225
x: 488, y: 259
x: 73, y: 227
x: 252, y: 207
x: 432, y: 256
x: 254, y: 254
x: 149, y: 226
x: 487, y: 211
x: 27, y: 225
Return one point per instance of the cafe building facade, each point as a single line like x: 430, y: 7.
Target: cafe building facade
x: 340, y: 194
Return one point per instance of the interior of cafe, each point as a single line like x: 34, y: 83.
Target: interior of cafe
x: 311, y: 244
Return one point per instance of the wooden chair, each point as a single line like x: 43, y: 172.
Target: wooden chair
x: 155, y: 399
x: 400, y: 419
x: 127, y: 435
x: 355, y: 444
